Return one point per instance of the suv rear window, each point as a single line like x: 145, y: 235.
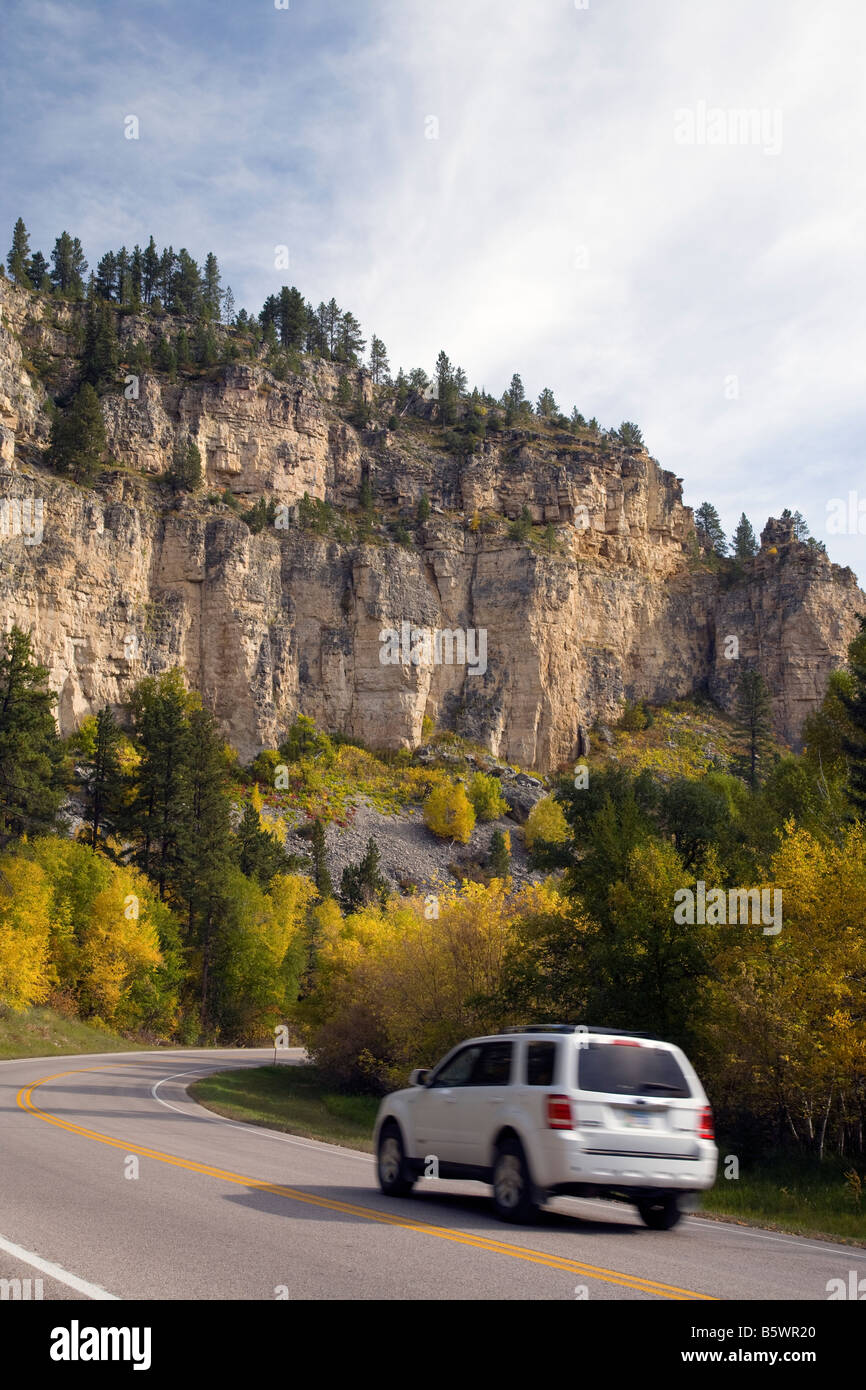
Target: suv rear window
x: 625, y: 1070
x: 540, y: 1063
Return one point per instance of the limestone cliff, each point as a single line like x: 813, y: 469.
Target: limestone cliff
x: 124, y: 579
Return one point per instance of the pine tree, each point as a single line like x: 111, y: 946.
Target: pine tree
x: 446, y: 389
x: 379, y: 366
x: 136, y: 277
x: 78, y: 441
x: 182, y: 349
x: 631, y: 436
x: 106, y: 276
x: 101, y: 357
x: 123, y: 278
x: 165, y: 280
x: 350, y: 343
x: 228, y: 306
x: 754, y: 716
x: 211, y: 287
x: 186, y: 286
x: 321, y: 874
x: 514, y: 400
x: 546, y: 404
x: 500, y: 855
x: 166, y: 357
x: 32, y: 782
x: 159, y: 716
x: 149, y: 271
x: 18, y: 256
x: 419, y: 381
x: 291, y: 316
x: 854, y: 703
x: 37, y: 272
x: 709, y: 529
x: 206, y: 347
x: 204, y: 848
x: 68, y: 266
x: 363, y: 883
x: 260, y: 856
x: 745, y: 546
x: 185, y: 474
x: 101, y: 777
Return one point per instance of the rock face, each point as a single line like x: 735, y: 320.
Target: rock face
x: 124, y: 580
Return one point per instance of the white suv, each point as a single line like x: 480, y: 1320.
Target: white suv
x: 555, y: 1109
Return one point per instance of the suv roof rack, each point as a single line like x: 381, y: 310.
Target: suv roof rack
x: 577, y: 1028
x: 543, y: 1028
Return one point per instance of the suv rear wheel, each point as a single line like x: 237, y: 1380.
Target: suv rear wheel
x: 512, y: 1184
x: 660, y: 1213
x: 391, y: 1163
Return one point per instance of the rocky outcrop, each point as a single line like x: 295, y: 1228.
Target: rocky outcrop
x: 125, y: 580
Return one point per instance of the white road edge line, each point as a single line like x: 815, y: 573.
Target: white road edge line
x: 54, y: 1271
x: 314, y: 1145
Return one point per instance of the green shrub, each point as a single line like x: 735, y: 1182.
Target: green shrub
x: 485, y: 793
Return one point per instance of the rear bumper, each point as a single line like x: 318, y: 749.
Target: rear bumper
x: 569, y: 1161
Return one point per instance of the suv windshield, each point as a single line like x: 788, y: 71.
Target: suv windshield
x: 626, y: 1070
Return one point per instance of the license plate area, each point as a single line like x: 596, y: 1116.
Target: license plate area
x: 637, y: 1119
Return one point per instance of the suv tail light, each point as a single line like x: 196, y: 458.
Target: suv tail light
x: 559, y: 1112
x: 705, y: 1124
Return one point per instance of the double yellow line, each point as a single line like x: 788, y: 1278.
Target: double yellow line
x: 496, y: 1247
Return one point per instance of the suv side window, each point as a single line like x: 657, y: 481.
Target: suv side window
x: 540, y: 1063
x: 458, y: 1071
x: 493, y: 1067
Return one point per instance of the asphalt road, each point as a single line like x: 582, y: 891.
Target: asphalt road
x: 114, y: 1184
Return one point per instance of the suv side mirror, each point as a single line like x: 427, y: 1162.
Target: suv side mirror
x: 419, y: 1076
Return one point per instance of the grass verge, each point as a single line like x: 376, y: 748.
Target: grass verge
x: 40, y: 1032
x: 795, y: 1194
x: 292, y: 1099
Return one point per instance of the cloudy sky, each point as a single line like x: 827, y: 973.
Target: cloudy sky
x: 566, y: 192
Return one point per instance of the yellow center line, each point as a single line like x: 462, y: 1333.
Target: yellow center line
x: 539, y: 1257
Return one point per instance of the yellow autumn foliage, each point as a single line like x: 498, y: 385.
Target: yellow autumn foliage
x: 546, y: 822
x: 26, y: 973
x: 397, y: 987
x: 449, y: 813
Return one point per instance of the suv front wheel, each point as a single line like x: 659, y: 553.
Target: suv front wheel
x: 660, y: 1213
x: 512, y: 1184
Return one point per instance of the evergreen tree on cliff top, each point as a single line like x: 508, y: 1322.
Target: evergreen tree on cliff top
x: 744, y: 543
x: 19, y: 254
x: 709, y: 529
